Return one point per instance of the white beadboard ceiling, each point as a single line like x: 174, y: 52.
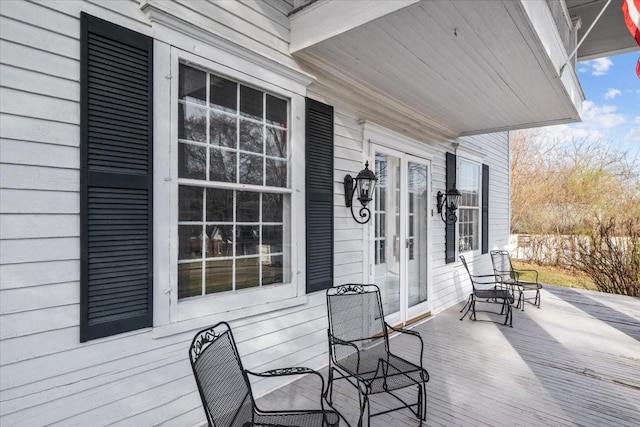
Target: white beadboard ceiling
x: 448, y: 68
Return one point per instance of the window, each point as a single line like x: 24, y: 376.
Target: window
x: 468, y: 181
x: 233, y: 186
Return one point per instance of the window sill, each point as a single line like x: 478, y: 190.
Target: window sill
x: 229, y: 316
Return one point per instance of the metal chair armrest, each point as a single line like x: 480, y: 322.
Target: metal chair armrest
x: 520, y: 271
x: 297, y: 370
x: 412, y: 333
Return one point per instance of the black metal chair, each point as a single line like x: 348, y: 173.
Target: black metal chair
x: 487, y: 288
x: 359, y: 351
x: 225, y: 389
x: 511, y: 277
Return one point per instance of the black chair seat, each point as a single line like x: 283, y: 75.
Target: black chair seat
x: 303, y: 419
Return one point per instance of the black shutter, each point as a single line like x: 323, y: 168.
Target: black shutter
x: 116, y: 184
x: 319, y: 195
x: 450, y: 229
x: 485, y: 209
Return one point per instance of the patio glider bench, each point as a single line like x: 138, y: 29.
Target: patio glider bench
x: 487, y: 288
x: 513, y: 278
x: 225, y: 389
x: 359, y: 352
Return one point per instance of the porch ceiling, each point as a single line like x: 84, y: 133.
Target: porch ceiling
x: 448, y: 68
x: 609, y: 36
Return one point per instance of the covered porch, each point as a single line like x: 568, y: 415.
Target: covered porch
x: 576, y: 361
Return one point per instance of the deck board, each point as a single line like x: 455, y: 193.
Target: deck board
x: 575, y: 361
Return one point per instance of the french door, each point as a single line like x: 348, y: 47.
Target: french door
x: 401, y: 234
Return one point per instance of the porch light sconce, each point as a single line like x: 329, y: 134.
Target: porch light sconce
x: 362, y: 185
x: 448, y: 205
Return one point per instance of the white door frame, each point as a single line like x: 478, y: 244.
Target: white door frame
x: 395, y: 145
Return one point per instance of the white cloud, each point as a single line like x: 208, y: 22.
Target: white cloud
x: 633, y: 135
x: 600, y: 117
x: 612, y: 93
x: 598, y: 67
x: 636, y: 120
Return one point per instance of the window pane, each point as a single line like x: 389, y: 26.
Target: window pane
x: 251, y: 136
x: 271, y: 207
x: 276, y: 173
x: 219, y: 205
x: 247, y: 240
x: 271, y: 269
x: 189, y: 280
x: 224, y: 94
x: 223, y: 165
x: 250, y: 169
x: 192, y: 161
x: 272, y: 238
x: 220, y: 242
x: 192, y: 123
x: 189, y: 203
x: 276, y: 142
x: 276, y: 111
x: 218, y: 276
x: 248, y: 206
x: 192, y: 84
x: 250, y: 103
x: 190, y: 241
x: 247, y: 273
x: 222, y: 130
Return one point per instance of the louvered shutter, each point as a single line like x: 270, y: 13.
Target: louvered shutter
x: 319, y: 195
x: 450, y: 229
x: 485, y: 209
x: 116, y: 179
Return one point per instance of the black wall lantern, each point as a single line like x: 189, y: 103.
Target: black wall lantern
x: 363, y: 185
x: 448, y: 205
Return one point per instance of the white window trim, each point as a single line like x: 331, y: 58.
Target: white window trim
x: 173, y: 316
x: 470, y: 156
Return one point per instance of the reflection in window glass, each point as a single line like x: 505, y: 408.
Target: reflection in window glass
x: 224, y: 94
x: 190, y: 203
x: 248, y: 206
x: 218, y: 276
x: 192, y: 85
x: 189, y: 279
x: 251, y: 103
x: 276, y: 111
x: 192, y: 161
x: 222, y: 130
x: 219, y: 205
x: 276, y: 173
x: 469, y: 209
x: 276, y: 140
x: 222, y: 165
x: 251, y: 136
x: 230, y: 237
x: 247, y: 273
x: 192, y: 123
x: 271, y: 207
x: 250, y: 169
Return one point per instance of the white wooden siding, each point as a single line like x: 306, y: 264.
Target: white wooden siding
x: 135, y: 378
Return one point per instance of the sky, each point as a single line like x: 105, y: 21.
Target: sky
x: 611, y: 109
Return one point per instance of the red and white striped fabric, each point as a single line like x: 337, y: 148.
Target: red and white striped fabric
x: 631, y: 12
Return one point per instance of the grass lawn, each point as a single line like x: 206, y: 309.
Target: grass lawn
x: 556, y: 276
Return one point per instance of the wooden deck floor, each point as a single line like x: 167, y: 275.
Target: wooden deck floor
x: 575, y: 361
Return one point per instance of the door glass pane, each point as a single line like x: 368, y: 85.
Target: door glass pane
x: 387, y: 226
x: 417, y: 233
